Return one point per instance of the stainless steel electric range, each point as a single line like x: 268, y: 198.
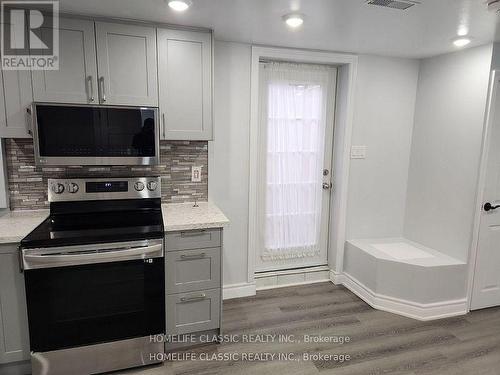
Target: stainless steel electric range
x: 95, y: 277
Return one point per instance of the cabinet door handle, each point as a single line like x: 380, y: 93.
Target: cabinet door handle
x: 193, y: 233
x: 200, y: 297
x: 103, y: 92
x: 29, y: 120
x: 193, y: 256
x: 90, y: 87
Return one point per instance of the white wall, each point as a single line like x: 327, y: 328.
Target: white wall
x: 446, y: 147
x: 384, y: 105
x: 448, y: 124
x: 495, y: 61
x: 383, y: 121
x: 229, y: 154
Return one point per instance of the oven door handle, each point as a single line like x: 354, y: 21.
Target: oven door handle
x: 31, y: 261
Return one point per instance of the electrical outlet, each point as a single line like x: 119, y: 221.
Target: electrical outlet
x: 195, y: 174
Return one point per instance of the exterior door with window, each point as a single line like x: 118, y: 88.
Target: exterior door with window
x: 296, y: 121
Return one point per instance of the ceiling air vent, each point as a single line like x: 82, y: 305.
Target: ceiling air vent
x: 395, y: 4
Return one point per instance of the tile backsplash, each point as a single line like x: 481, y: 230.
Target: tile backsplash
x: 27, y: 183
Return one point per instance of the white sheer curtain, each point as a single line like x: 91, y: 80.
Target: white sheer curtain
x: 292, y: 124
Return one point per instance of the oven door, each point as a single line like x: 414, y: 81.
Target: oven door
x: 75, y: 305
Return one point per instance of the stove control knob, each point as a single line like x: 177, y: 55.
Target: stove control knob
x: 139, y: 186
x: 58, y: 188
x: 73, y: 188
x: 152, y: 185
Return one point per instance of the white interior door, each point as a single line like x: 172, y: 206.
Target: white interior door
x: 295, y: 156
x: 486, y: 291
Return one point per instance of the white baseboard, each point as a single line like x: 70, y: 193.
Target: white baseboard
x: 336, y: 278
x: 430, y: 311
x: 238, y: 290
x: 16, y: 368
x: 292, y: 284
x: 293, y: 277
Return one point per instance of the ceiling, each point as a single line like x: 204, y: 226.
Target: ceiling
x: 336, y: 25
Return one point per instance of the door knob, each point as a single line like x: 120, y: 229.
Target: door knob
x: 327, y: 185
x: 488, y: 207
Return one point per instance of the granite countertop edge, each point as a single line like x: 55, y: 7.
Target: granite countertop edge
x: 21, y: 222
x: 176, y: 217
x: 184, y: 216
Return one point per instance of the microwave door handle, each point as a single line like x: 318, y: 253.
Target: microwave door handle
x: 47, y: 261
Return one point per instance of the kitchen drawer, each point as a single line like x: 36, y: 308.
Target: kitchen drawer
x: 193, y: 312
x: 191, y: 270
x: 192, y: 239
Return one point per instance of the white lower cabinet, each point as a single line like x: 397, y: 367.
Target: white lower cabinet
x: 14, y: 338
x: 193, y: 311
x: 193, y: 281
x: 191, y: 270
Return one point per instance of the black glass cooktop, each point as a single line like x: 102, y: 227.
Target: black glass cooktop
x: 97, y: 222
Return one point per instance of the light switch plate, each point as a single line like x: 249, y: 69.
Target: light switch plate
x: 358, y: 152
x: 195, y: 174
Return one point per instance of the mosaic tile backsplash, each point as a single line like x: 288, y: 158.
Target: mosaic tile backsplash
x: 27, y: 183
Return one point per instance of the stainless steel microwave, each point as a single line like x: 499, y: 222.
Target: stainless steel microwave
x: 73, y: 134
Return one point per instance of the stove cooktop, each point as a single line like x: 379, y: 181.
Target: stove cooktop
x: 80, y: 228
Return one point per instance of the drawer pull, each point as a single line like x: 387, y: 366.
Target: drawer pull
x: 202, y: 296
x: 193, y: 233
x: 193, y: 256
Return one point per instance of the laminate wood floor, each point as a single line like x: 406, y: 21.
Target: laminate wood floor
x: 380, y: 342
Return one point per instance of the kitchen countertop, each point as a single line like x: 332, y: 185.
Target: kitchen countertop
x: 15, y: 225
x: 183, y: 216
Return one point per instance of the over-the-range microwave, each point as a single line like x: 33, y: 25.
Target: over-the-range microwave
x: 74, y: 134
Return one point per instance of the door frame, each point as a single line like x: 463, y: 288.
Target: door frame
x: 344, y: 111
x: 493, y: 91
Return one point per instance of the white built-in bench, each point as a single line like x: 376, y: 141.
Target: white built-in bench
x: 404, y: 277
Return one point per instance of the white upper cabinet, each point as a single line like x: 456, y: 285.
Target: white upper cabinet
x: 3, y: 120
x: 185, y: 84
x: 126, y: 58
x: 76, y: 79
x: 101, y: 63
x: 16, y: 99
x: 16, y: 96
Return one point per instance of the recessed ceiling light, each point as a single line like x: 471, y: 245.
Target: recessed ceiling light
x: 461, y: 42
x: 463, y: 30
x: 294, y: 20
x: 179, y: 5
